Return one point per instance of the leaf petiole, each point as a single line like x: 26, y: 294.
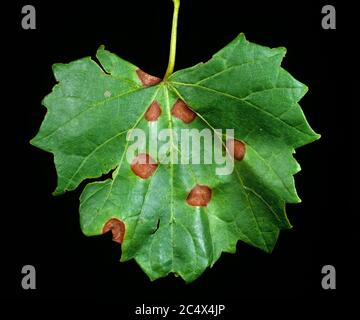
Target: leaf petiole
x: 172, y: 54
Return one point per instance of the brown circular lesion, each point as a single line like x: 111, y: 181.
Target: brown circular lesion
x: 144, y: 166
x: 182, y: 111
x: 199, y: 196
x: 146, y: 79
x: 117, y: 228
x: 236, y: 149
x: 153, y: 112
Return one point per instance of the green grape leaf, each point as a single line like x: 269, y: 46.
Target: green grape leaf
x: 178, y: 217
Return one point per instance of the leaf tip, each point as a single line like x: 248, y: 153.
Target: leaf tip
x: 56, y: 66
x: 241, y: 35
x: 314, y: 136
x: 305, y: 89
x: 100, y: 50
x: 58, y: 192
x: 296, y: 199
x: 283, y: 50
x: 57, y: 69
x: 36, y: 142
x: 61, y: 188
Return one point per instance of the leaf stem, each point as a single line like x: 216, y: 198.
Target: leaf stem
x: 172, y: 53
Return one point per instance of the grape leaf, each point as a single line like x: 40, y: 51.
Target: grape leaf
x: 171, y: 217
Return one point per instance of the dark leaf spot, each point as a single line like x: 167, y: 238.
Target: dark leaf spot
x: 181, y: 111
x: 147, y: 79
x: 236, y: 149
x: 153, y: 112
x: 143, y: 166
x: 157, y: 227
x: 199, y: 196
x: 117, y: 227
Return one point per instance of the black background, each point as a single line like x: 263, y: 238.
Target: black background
x: 44, y: 231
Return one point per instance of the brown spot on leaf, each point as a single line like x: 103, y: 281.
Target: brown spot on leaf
x: 153, y: 112
x: 117, y: 227
x: 181, y: 111
x: 236, y: 148
x: 147, y: 79
x: 143, y: 166
x: 199, y: 196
